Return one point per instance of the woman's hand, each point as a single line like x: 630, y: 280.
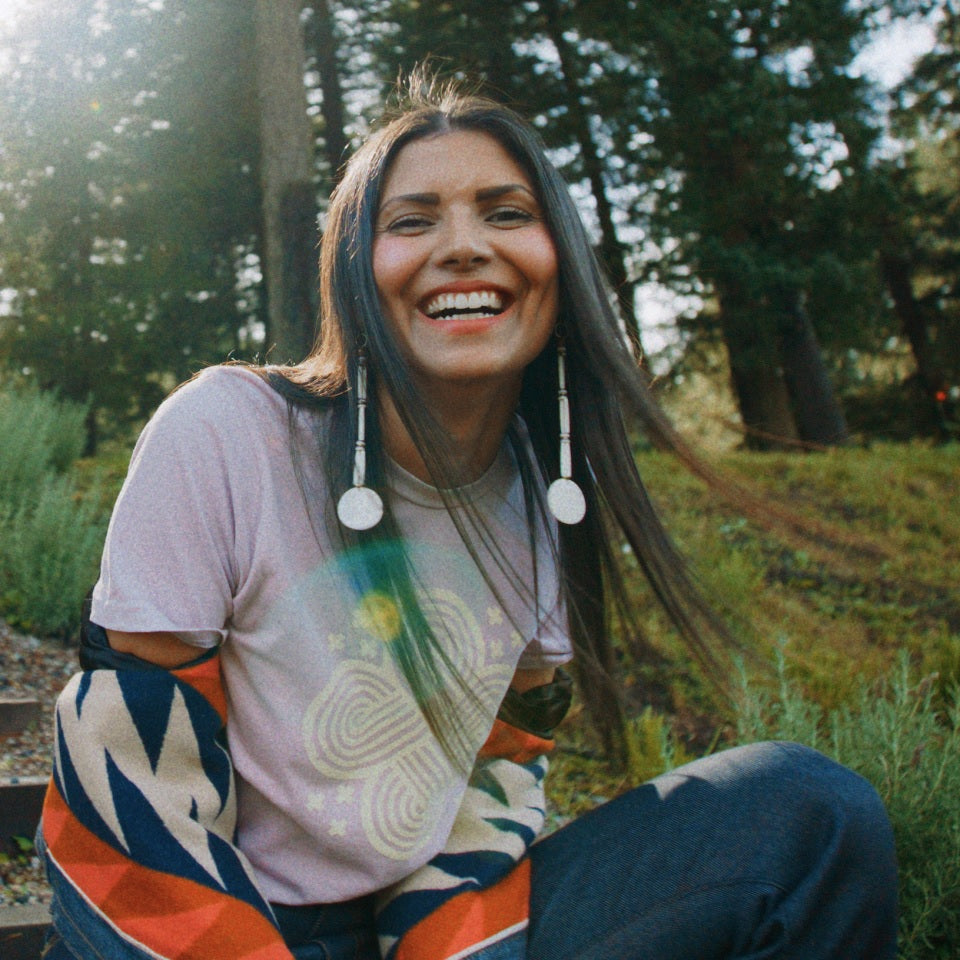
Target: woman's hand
x: 163, y: 649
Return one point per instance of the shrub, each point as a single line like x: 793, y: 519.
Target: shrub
x: 50, y: 537
x: 895, y: 736
x: 41, y: 434
x: 49, y: 555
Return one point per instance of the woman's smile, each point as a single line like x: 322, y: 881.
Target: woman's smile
x: 464, y: 306
x: 464, y: 263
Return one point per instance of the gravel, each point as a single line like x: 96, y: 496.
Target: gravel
x: 30, y: 668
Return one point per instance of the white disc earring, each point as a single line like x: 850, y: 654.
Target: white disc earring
x: 360, y: 508
x: 564, y: 497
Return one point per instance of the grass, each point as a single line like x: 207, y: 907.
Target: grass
x: 51, y: 533
x: 845, y: 613
x: 867, y: 634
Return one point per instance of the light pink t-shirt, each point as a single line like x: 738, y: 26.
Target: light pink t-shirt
x: 342, y: 789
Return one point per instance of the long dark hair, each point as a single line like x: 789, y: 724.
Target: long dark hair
x: 604, y: 379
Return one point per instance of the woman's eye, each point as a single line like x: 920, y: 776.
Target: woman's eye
x: 411, y: 223
x: 510, y: 216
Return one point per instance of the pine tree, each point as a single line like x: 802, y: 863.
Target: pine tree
x: 128, y: 200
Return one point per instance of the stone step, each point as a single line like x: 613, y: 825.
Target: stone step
x: 17, y: 715
x: 21, y: 800
x: 22, y: 930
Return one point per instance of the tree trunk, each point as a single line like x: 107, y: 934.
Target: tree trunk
x: 286, y: 176
x: 933, y: 383
x: 818, y: 414
x: 764, y: 407
x: 92, y: 431
x: 756, y: 377
x: 611, y: 250
x: 334, y: 137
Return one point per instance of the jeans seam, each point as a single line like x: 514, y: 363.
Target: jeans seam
x: 80, y: 934
x: 314, y: 936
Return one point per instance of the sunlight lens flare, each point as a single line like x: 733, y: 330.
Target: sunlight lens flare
x: 13, y: 11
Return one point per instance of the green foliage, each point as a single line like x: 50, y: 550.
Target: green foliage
x: 40, y: 434
x: 723, y: 152
x: 128, y: 199
x: 651, y: 747
x: 24, y: 845
x: 50, y: 536
x: 50, y: 552
x: 892, y: 587
x: 729, y: 154
x: 893, y: 735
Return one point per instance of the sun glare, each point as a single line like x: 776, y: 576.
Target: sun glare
x: 12, y: 11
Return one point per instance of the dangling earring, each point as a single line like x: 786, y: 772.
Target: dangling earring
x: 564, y: 498
x: 360, y: 508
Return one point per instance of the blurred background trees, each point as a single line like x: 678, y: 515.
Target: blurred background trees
x: 128, y: 199
x: 920, y: 238
x: 732, y: 160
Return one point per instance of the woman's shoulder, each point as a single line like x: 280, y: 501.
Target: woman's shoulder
x: 227, y: 393
x: 229, y: 405
x: 235, y: 380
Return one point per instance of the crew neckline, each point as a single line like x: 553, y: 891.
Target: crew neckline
x: 496, y: 480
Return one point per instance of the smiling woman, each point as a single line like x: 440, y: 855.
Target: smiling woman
x: 378, y: 691
x: 467, y: 274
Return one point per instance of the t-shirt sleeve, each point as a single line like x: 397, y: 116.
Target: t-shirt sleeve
x: 169, y: 561
x: 539, y: 655
x: 551, y: 647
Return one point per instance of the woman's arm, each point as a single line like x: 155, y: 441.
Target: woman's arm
x: 472, y: 898
x: 139, y: 821
x: 524, y: 680
x: 163, y: 649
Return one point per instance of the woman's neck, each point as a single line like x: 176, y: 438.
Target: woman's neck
x: 475, y: 425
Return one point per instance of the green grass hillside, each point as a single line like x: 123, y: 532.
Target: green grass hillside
x: 888, y: 583
x: 855, y: 630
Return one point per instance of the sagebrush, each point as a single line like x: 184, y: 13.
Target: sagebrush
x: 51, y: 536
x: 900, y: 735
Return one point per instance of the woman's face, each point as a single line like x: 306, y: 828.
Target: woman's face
x: 464, y: 264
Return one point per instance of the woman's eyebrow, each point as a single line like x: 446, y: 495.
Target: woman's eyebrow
x: 423, y: 199
x: 433, y: 199
x: 491, y: 193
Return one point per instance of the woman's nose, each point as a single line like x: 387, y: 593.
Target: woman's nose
x: 462, y: 243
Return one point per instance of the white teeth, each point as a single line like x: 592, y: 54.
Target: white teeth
x: 475, y: 300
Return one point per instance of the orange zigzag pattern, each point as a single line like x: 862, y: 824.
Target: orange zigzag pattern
x: 205, y: 679
x: 512, y: 743
x: 470, y: 919
x: 155, y: 909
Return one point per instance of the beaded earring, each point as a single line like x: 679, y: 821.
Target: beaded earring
x: 360, y: 508
x: 564, y: 497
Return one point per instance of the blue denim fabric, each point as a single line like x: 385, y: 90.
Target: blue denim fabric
x: 340, y: 931
x: 765, y: 852
x: 513, y: 947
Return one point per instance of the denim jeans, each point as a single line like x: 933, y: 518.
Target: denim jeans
x: 764, y: 851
